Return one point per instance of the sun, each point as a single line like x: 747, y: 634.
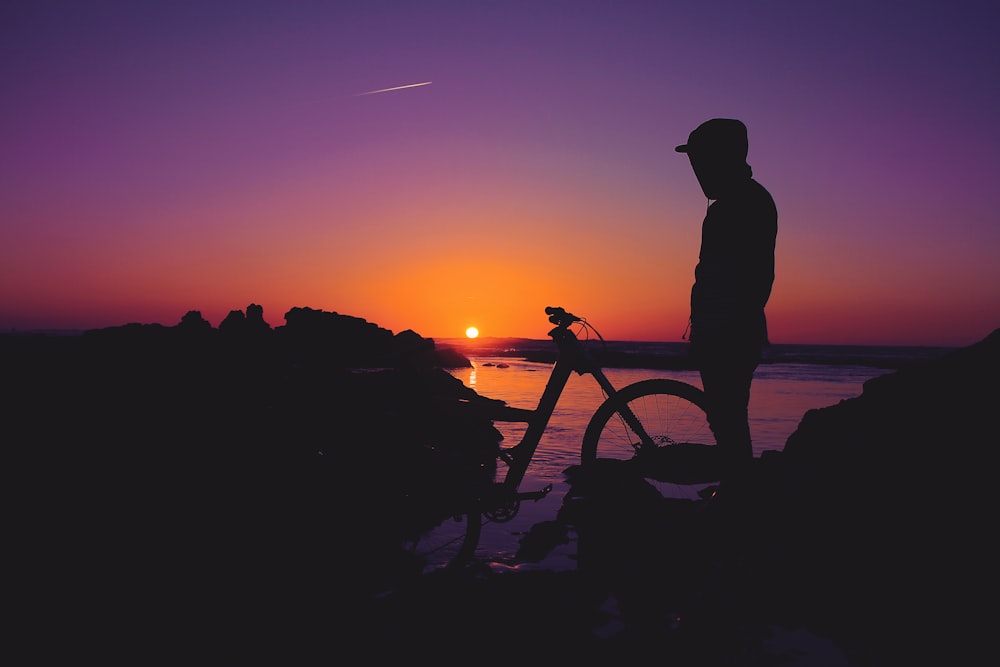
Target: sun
x: 472, y: 332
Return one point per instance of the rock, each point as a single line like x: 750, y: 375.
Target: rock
x: 176, y: 471
x: 198, y: 491
x: 883, y: 506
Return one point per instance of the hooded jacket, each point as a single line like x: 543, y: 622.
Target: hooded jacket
x: 735, y: 270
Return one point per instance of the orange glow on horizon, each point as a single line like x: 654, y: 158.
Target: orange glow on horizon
x: 473, y: 200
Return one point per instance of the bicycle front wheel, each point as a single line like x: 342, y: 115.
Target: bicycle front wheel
x: 674, y: 440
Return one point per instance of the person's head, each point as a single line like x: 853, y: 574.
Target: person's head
x: 717, y: 150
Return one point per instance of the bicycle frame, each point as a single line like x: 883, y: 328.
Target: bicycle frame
x: 572, y: 359
x: 499, y: 501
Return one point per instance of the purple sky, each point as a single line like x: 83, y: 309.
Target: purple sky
x: 165, y: 156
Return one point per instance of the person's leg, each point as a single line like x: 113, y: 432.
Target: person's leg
x: 726, y: 381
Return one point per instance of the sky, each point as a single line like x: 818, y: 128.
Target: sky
x: 160, y: 157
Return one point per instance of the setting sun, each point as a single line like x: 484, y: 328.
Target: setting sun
x: 472, y: 332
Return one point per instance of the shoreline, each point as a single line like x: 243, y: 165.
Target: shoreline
x: 673, y: 356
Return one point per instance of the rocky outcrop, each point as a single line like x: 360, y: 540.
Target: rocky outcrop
x: 309, y: 336
x: 238, y: 325
x: 870, y: 533
x: 887, y: 503
x: 200, y: 488
x: 189, y: 477
x: 872, y: 527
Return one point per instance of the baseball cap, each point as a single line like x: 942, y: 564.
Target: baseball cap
x: 718, y: 136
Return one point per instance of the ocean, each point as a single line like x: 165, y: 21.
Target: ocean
x: 792, y: 380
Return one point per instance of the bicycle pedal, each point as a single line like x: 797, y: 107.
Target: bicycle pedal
x: 535, y: 495
x: 709, y: 492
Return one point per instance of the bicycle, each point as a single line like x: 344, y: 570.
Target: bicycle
x: 636, y: 423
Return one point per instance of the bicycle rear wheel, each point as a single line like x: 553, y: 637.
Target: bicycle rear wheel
x: 448, y: 545
x: 672, y: 414
x: 442, y: 509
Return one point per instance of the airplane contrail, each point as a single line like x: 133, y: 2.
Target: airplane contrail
x: 386, y: 90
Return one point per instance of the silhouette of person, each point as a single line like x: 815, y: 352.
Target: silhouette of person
x: 733, y: 280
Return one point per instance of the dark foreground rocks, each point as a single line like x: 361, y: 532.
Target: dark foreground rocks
x: 872, y: 533
x: 174, y: 488
x: 238, y: 494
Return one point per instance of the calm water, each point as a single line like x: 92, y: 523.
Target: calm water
x: 781, y: 394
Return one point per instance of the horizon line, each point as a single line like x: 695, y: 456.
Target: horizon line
x: 78, y: 331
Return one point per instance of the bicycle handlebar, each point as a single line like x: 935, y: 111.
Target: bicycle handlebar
x: 560, y: 317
